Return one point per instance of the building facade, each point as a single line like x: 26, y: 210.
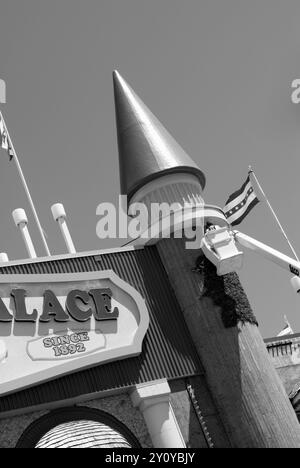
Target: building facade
x: 285, y: 355
x: 140, y: 346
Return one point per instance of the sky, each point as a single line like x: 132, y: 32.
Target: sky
x: 217, y: 74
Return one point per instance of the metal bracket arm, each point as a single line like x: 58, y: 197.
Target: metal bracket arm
x: 219, y: 247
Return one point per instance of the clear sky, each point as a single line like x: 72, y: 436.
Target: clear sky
x: 217, y: 73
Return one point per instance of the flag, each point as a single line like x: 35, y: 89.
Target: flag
x: 287, y: 330
x: 4, y: 140
x: 240, y: 203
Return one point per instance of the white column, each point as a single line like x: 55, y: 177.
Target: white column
x: 59, y: 215
x: 21, y: 222
x: 3, y: 257
x: 153, y: 401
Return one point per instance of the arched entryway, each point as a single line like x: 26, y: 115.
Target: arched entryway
x: 77, y: 427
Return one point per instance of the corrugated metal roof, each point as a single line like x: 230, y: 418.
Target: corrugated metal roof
x: 168, y: 351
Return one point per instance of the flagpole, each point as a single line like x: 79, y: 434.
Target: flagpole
x: 252, y: 174
x: 286, y: 321
x: 15, y: 157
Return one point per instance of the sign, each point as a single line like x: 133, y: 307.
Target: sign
x: 51, y: 325
x: 65, y: 346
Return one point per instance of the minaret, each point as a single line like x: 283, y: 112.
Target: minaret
x: 243, y: 383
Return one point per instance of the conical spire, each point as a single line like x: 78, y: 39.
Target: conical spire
x: 146, y: 149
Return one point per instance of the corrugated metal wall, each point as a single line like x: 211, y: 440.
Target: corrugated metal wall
x: 168, y: 351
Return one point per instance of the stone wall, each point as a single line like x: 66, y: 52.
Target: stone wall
x: 119, y: 406
x: 284, y: 353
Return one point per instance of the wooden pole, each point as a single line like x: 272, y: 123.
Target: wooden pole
x: 252, y: 402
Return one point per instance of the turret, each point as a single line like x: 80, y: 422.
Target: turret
x: 242, y: 382
x: 153, y: 166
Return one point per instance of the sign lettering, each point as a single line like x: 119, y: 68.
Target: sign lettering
x: 52, y: 309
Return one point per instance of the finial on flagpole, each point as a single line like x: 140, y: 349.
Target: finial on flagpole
x: 2, y: 92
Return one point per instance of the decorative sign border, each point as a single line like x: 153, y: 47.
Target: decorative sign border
x: 90, y: 359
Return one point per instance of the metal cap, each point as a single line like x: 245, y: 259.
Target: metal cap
x: 3, y: 257
x: 19, y: 216
x: 146, y: 149
x: 58, y: 211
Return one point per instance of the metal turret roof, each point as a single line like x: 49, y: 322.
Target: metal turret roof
x: 146, y: 149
